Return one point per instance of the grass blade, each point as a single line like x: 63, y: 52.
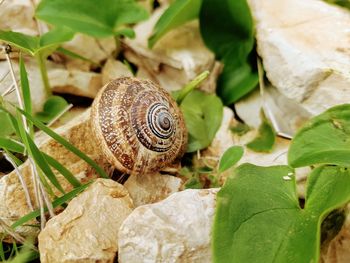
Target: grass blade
x: 11, y: 145
x: 65, y: 143
x: 77, y: 56
x: 25, y: 90
x: 59, y: 201
x: 35, y: 153
x: 63, y: 170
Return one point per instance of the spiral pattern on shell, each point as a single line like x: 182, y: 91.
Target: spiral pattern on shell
x: 139, y: 126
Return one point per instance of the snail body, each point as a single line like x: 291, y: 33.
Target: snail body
x: 138, y: 125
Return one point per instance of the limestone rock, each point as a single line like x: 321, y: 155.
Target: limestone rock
x: 87, y: 230
x: 176, y: 229
x: 147, y: 189
x: 337, y: 251
x: 76, y: 82
x: 114, y: 69
x: 305, y: 50
x: 223, y: 138
x: 96, y: 50
x: 62, y: 80
x: 18, y: 15
x: 178, y: 57
x: 249, y: 108
x: 12, y: 199
x: 35, y: 82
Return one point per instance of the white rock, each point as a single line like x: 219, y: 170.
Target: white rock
x: 76, y: 82
x: 94, y: 49
x: 305, y: 50
x: 87, y: 230
x: 18, y: 15
x: 249, y: 109
x: 13, y: 203
x: 223, y: 138
x: 147, y: 189
x: 62, y: 80
x: 176, y: 229
x: 114, y: 69
x: 178, y: 57
x: 337, y: 251
x: 35, y: 82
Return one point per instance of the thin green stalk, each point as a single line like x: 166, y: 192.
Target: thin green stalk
x: 117, y: 46
x: 43, y: 71
x: 192, y: 85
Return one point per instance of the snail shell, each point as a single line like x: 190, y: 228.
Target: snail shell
x: 138, y: 125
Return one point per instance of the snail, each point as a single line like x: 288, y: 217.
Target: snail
x: 139, y: 127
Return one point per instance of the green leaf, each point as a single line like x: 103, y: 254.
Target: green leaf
x: 230, y: 35
x: 230, y: 157
x: 178, y: 13
x: 38, y: 158
x: 236, y: 80
x: 65, y: 143
x: 62, y: 170
x: 240, y: 129
x: 52, y: 107
x: 27, y: 100
x: 181, y: 94
x: 100, y: 19
x: 258, y: 217
x: 11, y: 145
x: 193, y: 183
x: 227, y: 27
x: 34, y: 44
x: 265, y: 138
x: 343, y: 3
x: 24, y: 42
x: 6, y: 124
x: 25, y: 90
x: 325, y: 139
x: 58, y: 202
x: 203, y: 114
x: 77, y: 56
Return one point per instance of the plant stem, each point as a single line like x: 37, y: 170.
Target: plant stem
x: 192, y: 85
x: 43, y: 71
x: 117, y: 46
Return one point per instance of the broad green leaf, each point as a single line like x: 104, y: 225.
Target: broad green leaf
x: 193, y: 183
x: 325, y: 139
x: 227, y: 29
x: 203, y: 114
x: 230, y: 157
x: 178, y: 13
x: 100, y: 19
x: 65, y: 143
x: 52, y: 107
x: 343, y: 3
x: 34, y: 45
x: 265, y: 139
x: 6, y: 124
x: 236, y: 80
x: 57, y: 202
x: 258, y: 217
x: 24, y: 42
x: 240, y: 129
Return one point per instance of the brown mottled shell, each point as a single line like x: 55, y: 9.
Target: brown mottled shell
x: 138, y: 125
